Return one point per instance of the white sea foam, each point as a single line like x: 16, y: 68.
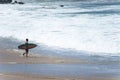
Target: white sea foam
x: 79, y: 28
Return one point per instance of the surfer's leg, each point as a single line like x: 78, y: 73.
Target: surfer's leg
x: 26, y: 52
x: 23, y: 54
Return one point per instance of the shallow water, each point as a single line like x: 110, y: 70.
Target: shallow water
x: 69, y: 70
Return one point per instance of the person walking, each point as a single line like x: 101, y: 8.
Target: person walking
x: 26, y: 49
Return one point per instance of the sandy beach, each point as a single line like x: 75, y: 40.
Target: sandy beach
x: 14, y: 57
x: 42, y: 77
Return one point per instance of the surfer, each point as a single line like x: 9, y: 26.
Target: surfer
x: 26, y: 50
x: 26, y: 47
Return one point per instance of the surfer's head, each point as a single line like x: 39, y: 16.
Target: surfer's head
x: 26, y: 39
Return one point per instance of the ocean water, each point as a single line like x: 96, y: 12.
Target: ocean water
x: 63, y: 70
x: 85, y: 29
x: 81, y: 27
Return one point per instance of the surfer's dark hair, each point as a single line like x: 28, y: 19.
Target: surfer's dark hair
x: 26, y: 39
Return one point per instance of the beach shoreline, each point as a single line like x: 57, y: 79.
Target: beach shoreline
x: 14, y: 57
x: 23, y: 76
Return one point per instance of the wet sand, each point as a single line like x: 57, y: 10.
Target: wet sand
x: 22, y: 76
x: 15, y: 57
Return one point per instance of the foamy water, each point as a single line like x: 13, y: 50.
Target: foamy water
x: 81, y: 26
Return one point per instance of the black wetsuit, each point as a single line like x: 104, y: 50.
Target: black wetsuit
x: 26, y: 50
